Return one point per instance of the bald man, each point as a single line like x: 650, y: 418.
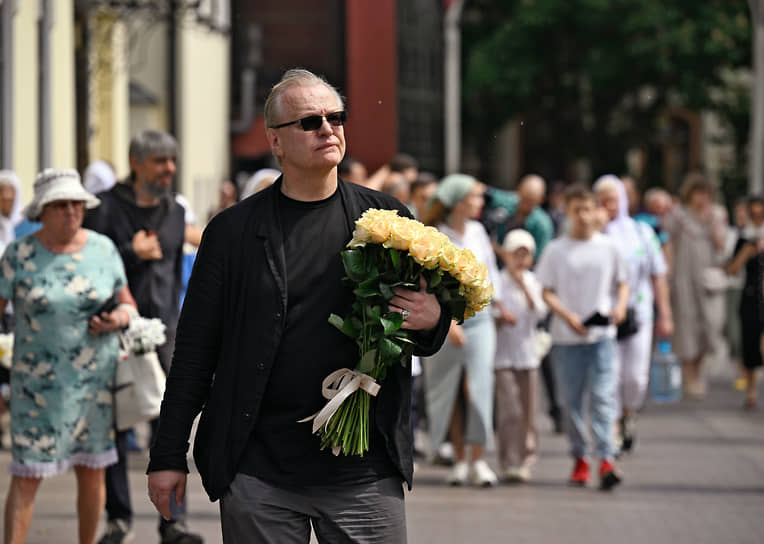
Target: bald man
x: 524, y: 210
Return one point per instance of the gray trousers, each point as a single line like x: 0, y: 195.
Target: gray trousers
x: 257, y: 512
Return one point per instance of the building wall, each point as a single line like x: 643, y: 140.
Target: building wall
x: 203, y: 114
x: 372, y: 81
x: 148, y: 48
x: 109, y: 97
x: 63, y: 103
x: 25, y: 95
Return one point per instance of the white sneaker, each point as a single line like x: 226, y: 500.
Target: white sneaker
x: 459, y: 474
x: 482, y: 475
x: 513, y: 474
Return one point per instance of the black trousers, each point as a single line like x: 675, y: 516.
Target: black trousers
x: 118, y: 505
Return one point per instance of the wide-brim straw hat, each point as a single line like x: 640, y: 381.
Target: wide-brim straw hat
x: 57, y: 184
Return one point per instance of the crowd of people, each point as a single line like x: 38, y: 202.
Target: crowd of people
x: 586, y: 280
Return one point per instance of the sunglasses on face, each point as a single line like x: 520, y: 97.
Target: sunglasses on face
x: 314, y: 122
x: 64, y: 204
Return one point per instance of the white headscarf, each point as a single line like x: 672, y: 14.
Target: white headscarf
x: 8, y: 224
x: 622, y: 227
x: 99, y: 177
x: 253, y: 183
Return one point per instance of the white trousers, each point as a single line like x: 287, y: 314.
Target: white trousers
x: 634, y: 355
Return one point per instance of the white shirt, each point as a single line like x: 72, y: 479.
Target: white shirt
x: 585, y: 275
x: 516, y: 344
x: 642, y: 252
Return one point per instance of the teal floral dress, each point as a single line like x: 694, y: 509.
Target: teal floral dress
x: 61, y: 376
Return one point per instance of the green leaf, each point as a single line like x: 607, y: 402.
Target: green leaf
x: 434, y: 280
x: 367, y: 362
x: 391, y: 322
x: 395, y: 258
x: 374, y: 312
x: 353, y: 261
x: 366, y: 292
x: 389, y: 349
x: 386, y: 291
x: 337, y: 321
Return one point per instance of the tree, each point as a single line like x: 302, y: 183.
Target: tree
x: 590, y: 77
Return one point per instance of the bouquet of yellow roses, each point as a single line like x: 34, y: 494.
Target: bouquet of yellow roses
x: 389, y: 251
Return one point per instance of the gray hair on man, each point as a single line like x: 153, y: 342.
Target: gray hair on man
x: 294, y: 77
x: 153, y: 142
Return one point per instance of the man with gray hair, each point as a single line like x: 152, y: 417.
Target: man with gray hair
x: 143, y: 220
x: 254, y: 345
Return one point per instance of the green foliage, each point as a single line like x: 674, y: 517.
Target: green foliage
x: 578, y: 71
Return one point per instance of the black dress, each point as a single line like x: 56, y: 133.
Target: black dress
x: 751, y: 308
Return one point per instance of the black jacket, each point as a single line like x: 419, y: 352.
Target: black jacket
x: 228, y: 335
x: 155, y: 285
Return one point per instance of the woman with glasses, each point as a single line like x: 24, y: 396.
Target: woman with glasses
x: 61, y: 281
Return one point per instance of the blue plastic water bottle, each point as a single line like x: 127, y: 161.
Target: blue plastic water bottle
x: 665, y: 375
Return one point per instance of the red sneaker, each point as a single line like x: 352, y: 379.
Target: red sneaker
x: 580, y: 476
x: 609, y: 475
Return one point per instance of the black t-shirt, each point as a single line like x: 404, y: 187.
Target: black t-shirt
x: 280, y: 450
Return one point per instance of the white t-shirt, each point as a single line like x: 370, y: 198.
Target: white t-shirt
x: 516, y: 344
x: 585, y: 275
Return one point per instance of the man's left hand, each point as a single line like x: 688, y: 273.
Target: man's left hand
x: 422, y: 307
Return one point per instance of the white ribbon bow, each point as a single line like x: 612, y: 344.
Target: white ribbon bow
x: 337, y: 387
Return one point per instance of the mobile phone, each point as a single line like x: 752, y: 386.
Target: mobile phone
x: 596, y: 320
x: 109, y: 305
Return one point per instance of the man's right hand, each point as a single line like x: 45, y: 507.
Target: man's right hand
x: 574, y: 322
x: 146, y: 246
x: 161, y: 484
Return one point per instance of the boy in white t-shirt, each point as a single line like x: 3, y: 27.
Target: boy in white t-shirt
x: 517, y: 356
x: 585, y: 283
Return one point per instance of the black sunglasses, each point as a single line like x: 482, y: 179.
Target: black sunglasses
x: 314, y: 122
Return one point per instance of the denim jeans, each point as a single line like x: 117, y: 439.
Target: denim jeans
x: 591, y: 368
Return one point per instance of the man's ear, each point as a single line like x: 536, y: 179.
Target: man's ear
x: 274, y: 141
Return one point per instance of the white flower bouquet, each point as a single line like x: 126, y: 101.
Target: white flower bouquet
x: 144, y: 335
x: 389, y: 251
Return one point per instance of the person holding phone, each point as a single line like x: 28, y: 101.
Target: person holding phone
x: 583, y: 274
x: 65, y: 351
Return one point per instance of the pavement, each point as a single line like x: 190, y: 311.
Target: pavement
x: 696, y: 476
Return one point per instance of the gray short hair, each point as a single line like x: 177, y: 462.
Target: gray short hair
x: 152, y: 142
x: 294, y: 77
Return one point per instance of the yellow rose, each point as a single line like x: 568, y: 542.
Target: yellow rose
x: 463, y: 265
x: 403, y: 232
x: 449, y: 254
x: 379, y: 230
x: 426, y: 249
x: 361, y: 236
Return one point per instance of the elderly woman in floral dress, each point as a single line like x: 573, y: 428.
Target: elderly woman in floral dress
x: 65, y: 351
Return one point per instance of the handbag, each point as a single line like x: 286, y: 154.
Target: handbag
x: 139, y: 387
x: 629, y: 326
x: 714, y: 279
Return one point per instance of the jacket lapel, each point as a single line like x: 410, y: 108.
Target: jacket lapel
x: 269, y: 228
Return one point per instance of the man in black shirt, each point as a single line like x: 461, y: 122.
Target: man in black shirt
x: 143, y: 220
x: 254, y: 345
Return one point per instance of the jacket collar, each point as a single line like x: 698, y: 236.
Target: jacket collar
x: 269, y: 223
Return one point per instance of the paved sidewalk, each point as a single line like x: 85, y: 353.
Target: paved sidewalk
x: 697, y: 476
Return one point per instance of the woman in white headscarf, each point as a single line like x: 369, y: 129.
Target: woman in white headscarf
x: 99, y: 177
x: 10, y: 206
x: 260, y: 180
x: 647, y: 286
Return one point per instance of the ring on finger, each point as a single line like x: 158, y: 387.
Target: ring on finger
x: 405, y: 314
